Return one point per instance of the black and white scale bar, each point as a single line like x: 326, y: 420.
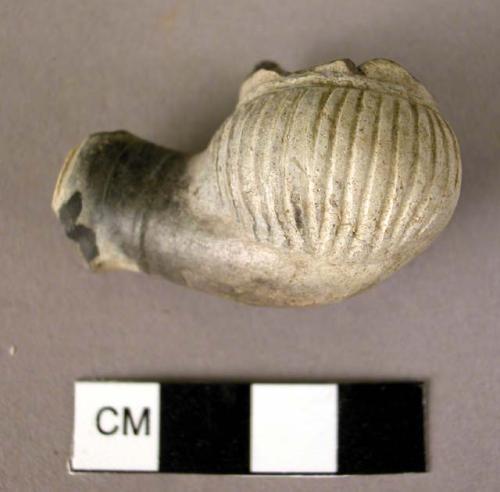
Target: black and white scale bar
x: 249, y: 428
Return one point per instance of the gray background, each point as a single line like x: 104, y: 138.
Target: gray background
x: 169, y: 71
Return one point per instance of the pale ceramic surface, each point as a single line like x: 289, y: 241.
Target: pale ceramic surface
x: 320, y: 184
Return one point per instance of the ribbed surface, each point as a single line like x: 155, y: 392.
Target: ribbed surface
x: 344, y: 172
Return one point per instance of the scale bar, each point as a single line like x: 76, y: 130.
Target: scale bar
x: 249, y: 428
